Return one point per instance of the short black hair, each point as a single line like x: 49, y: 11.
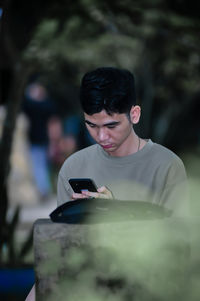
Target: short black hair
x: 107, y: 88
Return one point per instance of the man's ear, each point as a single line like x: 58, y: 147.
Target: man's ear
x: 135, y: 113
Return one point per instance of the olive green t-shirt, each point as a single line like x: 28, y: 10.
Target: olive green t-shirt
x: 153, y: 174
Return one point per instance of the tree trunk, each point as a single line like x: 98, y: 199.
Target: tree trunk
x: 13, y: 106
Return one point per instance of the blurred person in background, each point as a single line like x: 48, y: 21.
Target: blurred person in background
x: 66, y: 136
x: 39, y: 108
x: 75, y: 129
x: 58, y: 148
x: 55, y: 135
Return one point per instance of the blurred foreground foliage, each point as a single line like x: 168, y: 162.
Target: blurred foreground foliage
x: 128, y: 260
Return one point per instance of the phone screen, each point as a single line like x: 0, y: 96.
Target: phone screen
x: 80, y: 184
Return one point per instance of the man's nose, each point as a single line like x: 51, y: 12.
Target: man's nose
x: 102, y: 135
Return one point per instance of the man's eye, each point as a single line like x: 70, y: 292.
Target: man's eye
x: 111, y: 126
x: 92, y: 125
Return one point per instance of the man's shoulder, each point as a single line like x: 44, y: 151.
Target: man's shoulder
x: 164, y: 154
x: 80, y: 156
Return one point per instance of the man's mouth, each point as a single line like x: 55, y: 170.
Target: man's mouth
x: 106, y: 146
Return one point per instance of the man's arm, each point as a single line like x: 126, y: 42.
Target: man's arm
x: 63, y: 191
x: 175, y: 194
x: 176, y: 197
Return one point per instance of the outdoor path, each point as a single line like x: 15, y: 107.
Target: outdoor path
x: 29, y: 214
x: 32, y: 213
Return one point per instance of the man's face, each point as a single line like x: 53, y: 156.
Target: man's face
x: 112, y: 132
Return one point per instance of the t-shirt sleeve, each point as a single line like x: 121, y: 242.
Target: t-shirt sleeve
x: 63, y: 191
x: 175, y: 194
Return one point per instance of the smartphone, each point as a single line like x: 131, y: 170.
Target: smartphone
x: 79, y: 184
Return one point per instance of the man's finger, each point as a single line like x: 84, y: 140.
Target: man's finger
x: 102, y: 189
x: 90, y: 194
x: 103, y: 196
x: 78, y: 196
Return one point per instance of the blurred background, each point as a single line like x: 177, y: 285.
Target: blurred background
x: 46, y: 47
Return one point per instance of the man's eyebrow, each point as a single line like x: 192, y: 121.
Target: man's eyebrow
x: 89, y: 122
x: 112, y: 123
x: 106, y: 124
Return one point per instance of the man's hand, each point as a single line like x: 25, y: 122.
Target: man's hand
x: 103, y: 193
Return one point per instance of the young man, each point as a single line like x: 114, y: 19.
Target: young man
x: 122, y: 165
